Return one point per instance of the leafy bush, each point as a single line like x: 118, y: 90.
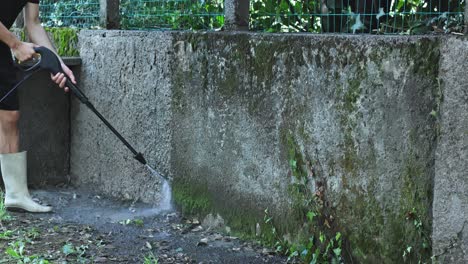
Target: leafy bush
x: 172, y: 14
x: 403, y: 16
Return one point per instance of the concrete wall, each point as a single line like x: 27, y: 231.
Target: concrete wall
x: 134, y: 94
x: 451, y: 165
x: 345, y: 125
x: 45, y: 128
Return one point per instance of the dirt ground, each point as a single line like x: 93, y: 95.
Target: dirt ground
x: 87, y: 228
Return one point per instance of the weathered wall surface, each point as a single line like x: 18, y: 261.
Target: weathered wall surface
x: 346, y: 125
x: 451, y: 166
x: 45, y: 128
x: 264, y: 121
x: 128, y: 81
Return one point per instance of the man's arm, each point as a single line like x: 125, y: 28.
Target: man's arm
x: 23, y: 51
x: 8, y: 37
x: 38, y: 35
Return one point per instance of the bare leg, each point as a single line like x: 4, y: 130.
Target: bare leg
x: 9, y: 132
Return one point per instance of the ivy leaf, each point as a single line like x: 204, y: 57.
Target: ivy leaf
x: 67, y: 249
x: 12, y: 253
x: 293, y: 164
x: 338, y: 236
x: 337, y: 252
x: 322, y: 238
x: 311, y: 215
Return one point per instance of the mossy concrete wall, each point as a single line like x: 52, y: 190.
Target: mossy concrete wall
x: 243, y: 122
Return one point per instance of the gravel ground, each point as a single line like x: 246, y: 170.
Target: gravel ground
x: 87, y: 228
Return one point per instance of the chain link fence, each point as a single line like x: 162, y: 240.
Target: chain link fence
x: 70, y: 13
x: 172, y: 14
x: 358, y: 16
x: 318, y: 16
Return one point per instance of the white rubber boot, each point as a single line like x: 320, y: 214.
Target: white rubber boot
x: 15, y: 179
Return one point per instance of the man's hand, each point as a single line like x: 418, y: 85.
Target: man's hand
x: 61, y: 79
x: 24, y: 51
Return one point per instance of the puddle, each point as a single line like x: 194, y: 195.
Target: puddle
x: 85, y: 207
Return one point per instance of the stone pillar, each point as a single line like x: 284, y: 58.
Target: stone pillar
x: 450, y: 205
x: 236, y: 14
x: 109, y: 14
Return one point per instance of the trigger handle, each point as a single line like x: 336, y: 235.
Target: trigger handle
x: 49, y: 61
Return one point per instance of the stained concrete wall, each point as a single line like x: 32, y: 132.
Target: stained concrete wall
x: 244, y: 122
x: 45, y: 128
x: 134, y: 94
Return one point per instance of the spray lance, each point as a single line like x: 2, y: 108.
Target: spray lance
x: 50, y: 62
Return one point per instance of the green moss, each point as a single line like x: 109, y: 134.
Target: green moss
x: 425, y: 54
x: 349, y: 96
x: 352, y: 95
x: 415, y: 204
x: 195, y: 39
x: 263, y: 61
x: 365, y: 215
x: 295, y: 158
x: 191, y: 198
x: 179, y: 100
x: 377, y: 230
x: 194, y: 198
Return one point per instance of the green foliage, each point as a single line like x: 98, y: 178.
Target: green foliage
x: 16, y: 251
x: 414, y: 249
x: 404, y: 16
x: 4, y: 216
x: 317, y: 248
x: 150, y: 259
x: 172, y: 14
x: 65, y: 40
x: 136, y: 222
x: 285, y: 16
x: 318, y: 239
x: 80, y: 252
x: 70, y: 13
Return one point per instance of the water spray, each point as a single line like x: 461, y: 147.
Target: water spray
x: 50, y: 62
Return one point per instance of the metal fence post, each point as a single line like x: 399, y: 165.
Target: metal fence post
x: 236, y: 14
x: 109, y: 14
x: 466, y: 17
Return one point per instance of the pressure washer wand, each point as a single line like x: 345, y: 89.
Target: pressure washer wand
x: 50, y: 62
x: 138, y: 155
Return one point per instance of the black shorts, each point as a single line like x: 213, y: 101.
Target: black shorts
x: 8, y: 79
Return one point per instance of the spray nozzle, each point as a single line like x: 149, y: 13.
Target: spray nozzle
x: 140, y: 158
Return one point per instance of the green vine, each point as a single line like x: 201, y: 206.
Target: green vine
x: 318, y: 239
x: 414, y: 249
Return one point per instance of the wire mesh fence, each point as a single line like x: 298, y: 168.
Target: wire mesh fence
x: 70, y: 13
x: 172, y: 14
x: 344, y: 16
x: 357, y: 16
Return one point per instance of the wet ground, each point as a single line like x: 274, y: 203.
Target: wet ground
x: 87, y: 228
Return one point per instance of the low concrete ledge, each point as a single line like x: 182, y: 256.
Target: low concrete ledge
x: 72, y: 61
